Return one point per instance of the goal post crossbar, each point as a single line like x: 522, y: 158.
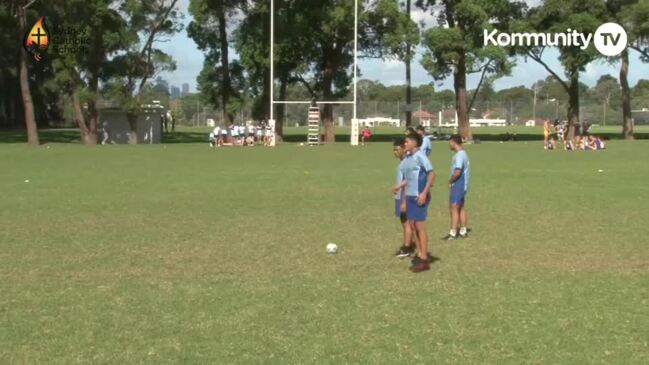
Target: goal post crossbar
x: 310, y: 102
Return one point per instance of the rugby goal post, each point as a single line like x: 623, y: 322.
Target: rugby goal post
x: 271, y: 122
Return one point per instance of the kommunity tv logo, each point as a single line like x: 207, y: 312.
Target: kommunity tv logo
x: 610, y: 39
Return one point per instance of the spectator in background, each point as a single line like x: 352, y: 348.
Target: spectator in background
x: 365, y: 136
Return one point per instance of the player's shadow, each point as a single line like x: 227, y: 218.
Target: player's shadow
x: 433, y: 259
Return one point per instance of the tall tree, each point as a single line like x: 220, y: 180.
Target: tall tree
x: 456, y: 47
x: 147, y: 23
x: 333, y: 43
x: 634, y: 16
x: 557, y: 16
x: 607, y: 89
x: 209, y: 30
x: 394, y: 36
x: 28, y: 103
x: 78, y: 73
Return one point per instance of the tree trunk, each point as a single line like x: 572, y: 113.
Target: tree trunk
x: 328, y: 112
x: 93, y: 122
x: 461, y: 99
x: 28, y: 103
x: 132, y: 123
x: 573, y: 104
x: 408, y: 79
x: 86, y: 137
x: 627, y: 122
x: 87, y: 128
x: 281, y: 108
x: 225, y: 64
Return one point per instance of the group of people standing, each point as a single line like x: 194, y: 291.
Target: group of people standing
x: 238, y: 135
x: 581, y: 139
x: 412, y: 193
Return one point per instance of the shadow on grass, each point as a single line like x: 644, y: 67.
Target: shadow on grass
x: 73, y: 136
x: 44, y: 135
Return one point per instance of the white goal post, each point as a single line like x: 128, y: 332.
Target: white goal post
x: 271, y: 122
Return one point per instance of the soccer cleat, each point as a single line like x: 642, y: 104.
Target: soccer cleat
x: 421, y: 265
x: 466, y: 235
x: 404, y: 251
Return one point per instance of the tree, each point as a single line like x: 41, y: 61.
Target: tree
x: 634, y: 15
x: 456, y: 47
x: 147, y: 22
x: 607, y: 88
x: 209, y: 30
x: 292, y: 32
x: 557, y: 16
x: 330, y: 52
x: 394, y: 36
x: 28, y: 103
x: 78, y: 74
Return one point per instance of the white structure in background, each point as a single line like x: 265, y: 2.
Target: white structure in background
x: 530, y: 123
x: 376, y: 121
x: 484, y: 122
x: 476, y: 122
x: 211, y: 123
x: 115, y: 128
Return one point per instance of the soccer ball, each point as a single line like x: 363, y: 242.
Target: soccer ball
x: 332, y: 248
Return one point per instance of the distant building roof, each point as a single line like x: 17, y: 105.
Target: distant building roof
x: 423, y: 114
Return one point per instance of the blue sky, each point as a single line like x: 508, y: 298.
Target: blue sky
x: 189, y: 62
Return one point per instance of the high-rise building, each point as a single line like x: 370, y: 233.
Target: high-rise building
x: 175, y: 92
x: 185, y: 89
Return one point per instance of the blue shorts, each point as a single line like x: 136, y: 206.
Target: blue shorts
x: 458, y: 194
x: 416, y: 212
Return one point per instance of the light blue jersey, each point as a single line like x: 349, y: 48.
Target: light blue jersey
x: 397, y: 195
x: 426, y: 145
x: 415, y: 169
x: 461, y: 162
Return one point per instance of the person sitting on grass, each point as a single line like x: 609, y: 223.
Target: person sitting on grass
x: 365, y: 136
x: 250, y: 140
x: 408, y: 245
x: 415, y: 199
x: 568, y: 145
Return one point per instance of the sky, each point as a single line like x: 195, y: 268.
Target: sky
x: 189, y: 61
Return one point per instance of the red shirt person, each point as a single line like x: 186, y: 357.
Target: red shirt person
x: 366, y: 135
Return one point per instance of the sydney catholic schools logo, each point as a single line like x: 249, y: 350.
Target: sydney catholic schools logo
x: 610, y: 39
x: 37, y: 40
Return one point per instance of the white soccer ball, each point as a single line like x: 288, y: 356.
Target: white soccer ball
x: 332, y: 248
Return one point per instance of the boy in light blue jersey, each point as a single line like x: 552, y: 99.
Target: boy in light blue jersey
x: 419, y: 178
x: 426, y: 145
x: 408, y: 247
x: 458, y: 184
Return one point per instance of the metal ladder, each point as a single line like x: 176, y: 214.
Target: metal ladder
x: 313, y: 138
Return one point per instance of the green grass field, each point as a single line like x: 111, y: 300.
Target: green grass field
x: 183, y: 254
